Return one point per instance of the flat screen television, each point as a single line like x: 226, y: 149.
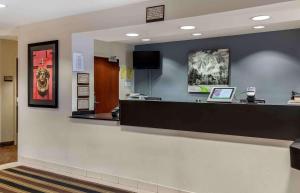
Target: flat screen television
x: 146, y: 59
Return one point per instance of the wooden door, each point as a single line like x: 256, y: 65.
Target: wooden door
x: 106, y: 82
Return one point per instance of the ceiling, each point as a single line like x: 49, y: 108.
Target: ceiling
x: 284, y: 15
x: 21, y: 12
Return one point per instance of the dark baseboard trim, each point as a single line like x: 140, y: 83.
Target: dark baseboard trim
x: 9, y: 143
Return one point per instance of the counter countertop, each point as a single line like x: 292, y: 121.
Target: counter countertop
x: 213, y: 103
x: 101, y: 116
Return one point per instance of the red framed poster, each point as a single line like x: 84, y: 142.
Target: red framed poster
x: 43, y: 74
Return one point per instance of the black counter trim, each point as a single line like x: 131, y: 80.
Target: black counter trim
x: 103, y: 117
x: 83, y: 112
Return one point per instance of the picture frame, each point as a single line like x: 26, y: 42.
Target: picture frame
x: 8, y: 78
x: 83, y: 91
x: 208, y: 68
x: 43, y: 68
x: 78, y: 62
x: 83, y: 104
x: 83, y: 78
x: 155, y: 13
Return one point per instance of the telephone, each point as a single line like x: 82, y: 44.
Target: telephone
x: 251, y: 91
x: 295, y: 94
x: 115, y: 113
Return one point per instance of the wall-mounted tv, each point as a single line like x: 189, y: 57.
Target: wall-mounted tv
x: 146, y: 59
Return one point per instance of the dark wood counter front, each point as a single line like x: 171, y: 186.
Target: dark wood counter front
x: 295, y: 154
x: 263, y: 121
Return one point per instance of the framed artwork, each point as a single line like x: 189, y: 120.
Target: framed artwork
x: 83, y: 104
x: 8, y: 78
x: 43, y: 74
x: 155, y: 13
x: 83, y: 91
x: 207, y: 69
x: 78, y: 62
x: 83, y: 79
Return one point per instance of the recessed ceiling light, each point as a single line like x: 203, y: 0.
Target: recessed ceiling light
x: 259, y: 27
x: 187, y: 27
x: 197, y: 34
x: 2, y: 5
x: 146, y: 39
x: 132, y: 34
x: 261, y: 18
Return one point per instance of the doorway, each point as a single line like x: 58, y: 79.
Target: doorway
x: 8, y: 123
x: 8, y: 101
x: 106, y: 84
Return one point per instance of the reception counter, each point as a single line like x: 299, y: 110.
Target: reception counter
x: 263, y: 121
x: 251, y: 120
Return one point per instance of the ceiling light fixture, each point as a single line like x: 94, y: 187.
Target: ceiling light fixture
x: 146, y: 39
x: 259, y: 27
x: 261, y: 18
x: 132, y: 34
x: 197, y: 34
x: 2, y: 5
x: 187, y: 27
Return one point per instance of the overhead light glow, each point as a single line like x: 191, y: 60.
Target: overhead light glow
x: 187, y: 27
x: 2, y: 5
x: 146, y: 39
x: 132, y: 34
x: 197, y: 34
x: 259, y: 27
x: 261, y: 18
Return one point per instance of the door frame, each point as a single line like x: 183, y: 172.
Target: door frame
x: 17, y: 102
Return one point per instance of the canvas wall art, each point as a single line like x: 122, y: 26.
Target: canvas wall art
x: 43, y: 74
x: 207, y: 69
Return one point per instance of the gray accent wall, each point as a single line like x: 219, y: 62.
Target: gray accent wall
x: 269, y: 61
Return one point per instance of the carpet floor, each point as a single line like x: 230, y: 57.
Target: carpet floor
x: 28, y: 180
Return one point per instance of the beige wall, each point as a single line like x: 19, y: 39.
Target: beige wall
x: 8, y: 56
x: 124, y: 54
x: 190, y: 161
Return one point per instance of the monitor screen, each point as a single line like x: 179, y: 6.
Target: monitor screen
x: 222, y: 93
x: 146, y: 59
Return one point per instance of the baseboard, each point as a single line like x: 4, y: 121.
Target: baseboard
x: 102, y: 178
x: 9, y: 143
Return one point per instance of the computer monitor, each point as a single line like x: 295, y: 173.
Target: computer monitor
x: 222, y: 94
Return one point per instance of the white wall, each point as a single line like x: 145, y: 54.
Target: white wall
x: 85, y: 46
x: 182, y: 160
x: 8, y: 56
